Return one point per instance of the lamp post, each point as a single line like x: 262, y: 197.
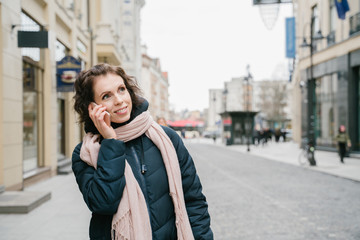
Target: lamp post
x: 226, y: 133
x: 310, y: 94
x: 247, y: 102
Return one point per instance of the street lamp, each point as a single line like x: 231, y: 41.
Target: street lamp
x: 310, y: 94
x: 247, y: 102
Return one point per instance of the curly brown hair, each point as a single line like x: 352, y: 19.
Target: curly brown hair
x: 84, y: 93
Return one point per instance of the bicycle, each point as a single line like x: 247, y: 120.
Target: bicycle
x: 303, y: 156
x: 306, y: 156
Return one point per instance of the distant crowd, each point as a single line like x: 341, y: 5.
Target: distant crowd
x: 261, y: 137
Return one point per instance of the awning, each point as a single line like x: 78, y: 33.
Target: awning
x: 185, y: 123
x: 227, y: 121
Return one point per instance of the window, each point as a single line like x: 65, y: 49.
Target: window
x: 60, y: 50
x: 315, y: 16
x: 332, y: 23
x: 28, y: 24
x: 327, y: 109
x: 332, y: 16
x: 316, y: 24
x: 30, y: 117
x: 31, y: 78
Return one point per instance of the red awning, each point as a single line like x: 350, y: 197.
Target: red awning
x: 186, y: 123
x: 227, y: 121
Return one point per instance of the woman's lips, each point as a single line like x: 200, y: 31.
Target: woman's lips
x: 121, y: 111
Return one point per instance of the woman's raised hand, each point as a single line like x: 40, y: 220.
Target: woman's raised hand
x: 101, y: 120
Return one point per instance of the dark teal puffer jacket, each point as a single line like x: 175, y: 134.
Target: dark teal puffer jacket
x: 102, y: 188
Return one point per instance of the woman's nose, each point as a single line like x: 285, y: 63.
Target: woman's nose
x: 118, y: 99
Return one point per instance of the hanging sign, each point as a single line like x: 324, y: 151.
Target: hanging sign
x: 32, y: 39
x: 66, y: 71
x: 290, y: 37
x: 260, y: 2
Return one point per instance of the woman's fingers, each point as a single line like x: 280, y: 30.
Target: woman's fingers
x: 95, y: 112
x: 101, y: 120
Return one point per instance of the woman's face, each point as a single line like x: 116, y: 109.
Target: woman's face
x: 110, y: 91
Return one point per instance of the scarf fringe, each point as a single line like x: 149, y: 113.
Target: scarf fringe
x: 122, y: 227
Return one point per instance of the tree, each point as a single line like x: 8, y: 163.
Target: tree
x: 273, y: 101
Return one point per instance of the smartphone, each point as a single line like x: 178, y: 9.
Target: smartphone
x: 105, y: 111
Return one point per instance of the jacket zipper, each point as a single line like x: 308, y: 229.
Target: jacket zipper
x: 142, y: 179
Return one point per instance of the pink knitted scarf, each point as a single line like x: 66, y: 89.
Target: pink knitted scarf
x: 131, y: 221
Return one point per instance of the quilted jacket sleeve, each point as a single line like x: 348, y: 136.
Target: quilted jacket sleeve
x: 102, y: 188
x: 196, y: 205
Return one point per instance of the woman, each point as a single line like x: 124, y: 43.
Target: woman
x: 161, y: 121
x: 343, y: 141
x: 136, y: 177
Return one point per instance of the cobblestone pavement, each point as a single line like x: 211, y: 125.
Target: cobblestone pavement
x: 253, y: 198
x: 249, y: 198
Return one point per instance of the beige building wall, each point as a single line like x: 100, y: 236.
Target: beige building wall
x: 235, y: 94
x: 155, y: 86
x: 164, y: 93
x: 216, y: 106
x: 62, y: 25
x: 11, y: 137
x: 144, y: 82
x: 94, y: 38
x: 130, y: 38
x: 2, y: 187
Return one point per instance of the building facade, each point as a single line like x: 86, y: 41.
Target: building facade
x: 231, y: 110
x: 155, y: 86
x: 38, y: 126
x: 268, y: 101
x: 216, y: 107
x: 326, y: 78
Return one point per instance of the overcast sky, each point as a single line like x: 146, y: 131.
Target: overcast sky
x: 204, y: 43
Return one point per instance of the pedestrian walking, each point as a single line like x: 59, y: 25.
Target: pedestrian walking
x: 277, y: 134
x: 183, y: 135
x: 137, y: 177
x: 343, y: 142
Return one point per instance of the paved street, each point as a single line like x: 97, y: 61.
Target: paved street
x: 254, y: 198
x: 249, y: 197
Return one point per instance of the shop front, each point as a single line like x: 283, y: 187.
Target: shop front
x: 336, y: 101
x: 32, y: 76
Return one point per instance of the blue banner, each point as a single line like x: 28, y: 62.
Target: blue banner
x: 342, y: 7
x: 66, y: 71
x: 290, y: 37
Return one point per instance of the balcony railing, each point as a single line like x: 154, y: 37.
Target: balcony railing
x: 355, y: 23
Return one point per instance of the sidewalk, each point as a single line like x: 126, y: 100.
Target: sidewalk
x: 288, y: 152
x: 64, y: 216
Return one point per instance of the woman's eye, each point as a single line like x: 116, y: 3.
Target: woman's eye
x: 122, y: 89
x: 105, y: 96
